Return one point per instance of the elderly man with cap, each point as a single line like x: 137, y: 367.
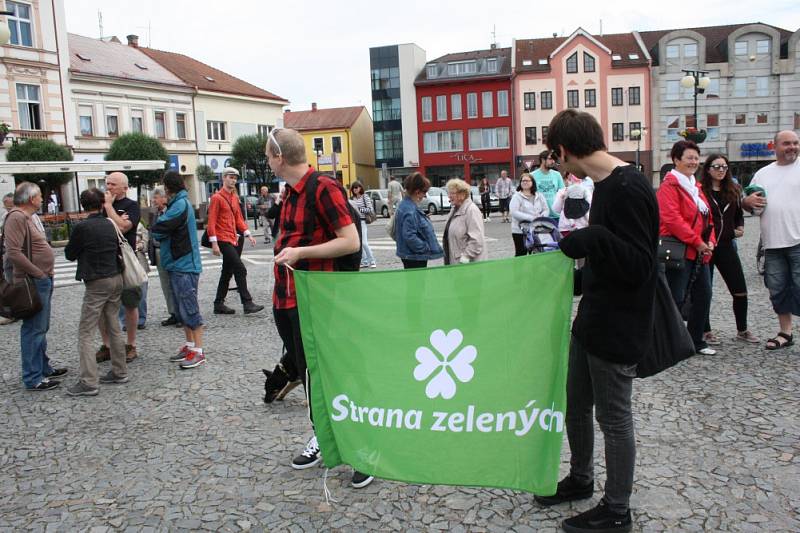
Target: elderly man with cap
x: 225, y: 224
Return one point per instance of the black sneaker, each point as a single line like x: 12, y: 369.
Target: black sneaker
x: 45, y: 384
x: 171, y: 321
x: 57, y: 373
x: 222, y: 309
x: 599, y: 519
x: 310, y: 456
x: 141, y: 327
x: 111, y: 377
x: 250, y: 307
x: 360, y: 480
x: 275, y: 383
x: 568, y: 490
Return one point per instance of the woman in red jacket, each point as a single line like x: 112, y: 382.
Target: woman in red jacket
x: 685, y: 215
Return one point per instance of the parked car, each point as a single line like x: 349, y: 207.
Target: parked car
x: 494, y: 201
x: 436, y: 201
x: 380, y: 201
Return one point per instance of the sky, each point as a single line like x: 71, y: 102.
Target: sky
x: 318, y: 51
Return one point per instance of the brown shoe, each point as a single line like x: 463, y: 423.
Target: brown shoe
x: 130, y: 353
x: 103, y: 354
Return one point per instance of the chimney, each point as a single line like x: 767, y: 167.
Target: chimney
x: 313, y: 106
x: 493, y: 46
x: 133, y: 40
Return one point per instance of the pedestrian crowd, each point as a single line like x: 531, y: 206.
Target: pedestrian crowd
x: 597, y: 209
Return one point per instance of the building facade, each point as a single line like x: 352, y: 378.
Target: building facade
x: 607, y: 76
x: 393, y: 70
x: 464, y: 116
x: 339, y: 142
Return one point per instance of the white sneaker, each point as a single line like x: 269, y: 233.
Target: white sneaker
x: 707, y: 351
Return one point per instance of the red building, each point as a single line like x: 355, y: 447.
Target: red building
x: 464, y: 116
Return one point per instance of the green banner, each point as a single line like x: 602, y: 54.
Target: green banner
x: 452, y: 375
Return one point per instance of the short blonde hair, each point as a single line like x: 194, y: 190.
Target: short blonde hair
x: 290, y: 145
x: 457, y: 185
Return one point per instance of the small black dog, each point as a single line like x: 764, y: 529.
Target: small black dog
x: 278, y: 384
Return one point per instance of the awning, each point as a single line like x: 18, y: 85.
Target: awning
x: 43, y: 167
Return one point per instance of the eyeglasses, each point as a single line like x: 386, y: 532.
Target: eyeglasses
x: 526, y: 181
x: 271, y: 137
x: 720, y: 167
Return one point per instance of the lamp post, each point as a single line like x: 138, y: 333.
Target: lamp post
x: 638, y: 134
x: 697, y: 80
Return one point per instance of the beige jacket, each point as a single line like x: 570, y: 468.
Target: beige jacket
x: 465, y: 236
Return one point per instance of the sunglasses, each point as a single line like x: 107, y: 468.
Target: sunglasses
x: 271, y: 137
x: 719, y: 167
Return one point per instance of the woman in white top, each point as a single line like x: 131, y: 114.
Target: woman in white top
x: 526, y: 206
x: 363, y: 205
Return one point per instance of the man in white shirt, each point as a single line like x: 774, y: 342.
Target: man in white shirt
x: 780, y: 232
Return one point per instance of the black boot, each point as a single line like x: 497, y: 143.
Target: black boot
x: 222, y: 309
x: 250, y: 307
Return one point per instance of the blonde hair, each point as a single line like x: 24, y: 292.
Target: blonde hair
x: 290, y: 144
x: 458, y: 185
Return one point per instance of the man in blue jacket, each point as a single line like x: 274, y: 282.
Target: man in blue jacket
x: 180, y: 256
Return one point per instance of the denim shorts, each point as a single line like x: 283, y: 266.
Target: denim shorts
x: 782, y: 278
x: 184, y: 296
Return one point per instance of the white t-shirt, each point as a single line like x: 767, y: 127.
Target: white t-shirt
x: 780, y: 222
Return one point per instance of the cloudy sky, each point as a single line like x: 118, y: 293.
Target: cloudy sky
x: 318, y: 51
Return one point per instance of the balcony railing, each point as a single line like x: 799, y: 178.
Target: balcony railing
x: 30, y: 134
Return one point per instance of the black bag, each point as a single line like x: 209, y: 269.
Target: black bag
x: 345, y: 263
x: 671, y: 340
x: 671, y: 252
x: 19, y: 300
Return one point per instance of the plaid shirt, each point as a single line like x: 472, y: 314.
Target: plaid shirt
x: 332, y: 214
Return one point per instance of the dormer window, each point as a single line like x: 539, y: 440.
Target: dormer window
x: 462, y: 67
x: 633, y: 56
x: 83, y: 57
x: 527, y: 62
x: 140, y: 66
x: 491, y: 65
x: 616, y: 57
x: 762, y: 47
x: 431, y: 70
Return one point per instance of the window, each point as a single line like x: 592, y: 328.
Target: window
x: 385, y: 78
x: 741, y: 119
x: 527, y: 62
x: 546, y: 100
x: 673, y: 125
x: 634, y: 96
x: 712, y: 91
x: 336, y: 144
x: 488, y: 138
x: 633, y: 57
x: 617, y: 131
x: 85, y: 115
x: 431, y: 70
x: 762, y: 47
x: 572, y: 99
x: 216, y: 130
x: 386, y: 109
x: 487, y: 104
x: 590, y: 97
x: 472, y: 105
x: 740, y: 87
x: 263, y: 130
x: 690, y: 50
x: 588, y: 62
x: 462, y: 67
x: 389, y: 144
x: 542, y: 61
x: 427, y: 112
x: 529, y: 101
x: 180, y: 125
x: 502, y: 103
x: 545, y: 130
x: 762, y: 85
x: 441, y: 107
x: 741, y: 48
x: 491, y: 65
x: 19, y: 22
x: 319, y: 145
x: 136, y: 120
x: 455, y: 106
x: 712, y: 125
x: 762, y: 118
x: 29, y: 108
x: 161, y: 125
x: 690, y: 121
x: 530, y: 135
x: 96, y: 183
x: 616, y: 57
x: 673, y: 89
x: 443, y: 141
x: 572, y: 63
x: 616, y: 96
x: 635, y: 127
x: 112, y: 122
x: 673, y: 51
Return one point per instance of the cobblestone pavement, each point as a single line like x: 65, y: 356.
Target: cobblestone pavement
x: 718, y: 437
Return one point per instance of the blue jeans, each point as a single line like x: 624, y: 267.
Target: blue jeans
x: 678, y: 280
x: 367, y: 258
x: 782, y: 278
x: 184, y: 295
x: 33, y: 338
x: 142, y: 309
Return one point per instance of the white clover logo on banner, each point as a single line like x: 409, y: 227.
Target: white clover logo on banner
x: 445, y: 344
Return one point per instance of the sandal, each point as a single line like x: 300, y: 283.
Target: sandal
x: 776, y: 344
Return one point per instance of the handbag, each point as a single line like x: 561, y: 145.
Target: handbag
x: 133, y: 275
x: 391, y: 228
x: 671, y: 340
x: 671, y: 252
x: 21, y: 299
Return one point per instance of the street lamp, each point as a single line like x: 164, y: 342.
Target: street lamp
x: 638, y: 135
x: 697, y: 80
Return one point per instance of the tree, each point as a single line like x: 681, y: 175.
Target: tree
x: 41, y: 150
x: 139, y: 147
x: 248, y: 151
x: 205, y: 173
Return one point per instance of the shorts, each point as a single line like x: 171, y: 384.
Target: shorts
x: 184, y: 296
x: 504, y: 202
x: 131, y: 297
x: 782, y: 278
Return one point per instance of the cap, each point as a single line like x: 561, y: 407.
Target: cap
x: 230, y: 170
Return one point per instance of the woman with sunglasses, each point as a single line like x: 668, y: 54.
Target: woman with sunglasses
x: 724, y: 196
x: 364, y: 207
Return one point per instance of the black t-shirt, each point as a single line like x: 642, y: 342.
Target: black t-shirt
x: 131, y: 207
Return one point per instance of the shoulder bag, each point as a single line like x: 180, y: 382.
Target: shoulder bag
x: 672, y: 251
x: 19, y: 300
x: 133, y: 275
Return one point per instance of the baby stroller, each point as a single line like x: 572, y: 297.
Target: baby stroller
x: 541, y: 235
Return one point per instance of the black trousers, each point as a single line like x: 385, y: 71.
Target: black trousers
x: 726, y: 260
x: 486, y: 204
x: 519, y: 245
x: 414, y: 263
x: 287, y: 321
x: 232, y: 267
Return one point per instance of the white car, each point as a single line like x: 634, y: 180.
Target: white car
x: 436, y: 201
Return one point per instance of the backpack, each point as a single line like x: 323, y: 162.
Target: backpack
x: 345, y: 263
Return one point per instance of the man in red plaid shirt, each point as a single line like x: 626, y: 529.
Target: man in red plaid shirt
x: 294, y: 248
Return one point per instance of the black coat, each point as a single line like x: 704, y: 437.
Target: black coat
x: 94, y: 243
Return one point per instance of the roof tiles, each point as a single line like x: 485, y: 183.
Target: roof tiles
x: 322, y: 119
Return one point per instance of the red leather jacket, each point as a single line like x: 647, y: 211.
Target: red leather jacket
x: 680, y: 217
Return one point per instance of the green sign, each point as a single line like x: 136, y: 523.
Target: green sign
x: 452, y: 375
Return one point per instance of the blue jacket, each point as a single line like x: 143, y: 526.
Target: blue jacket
x: 176, y: 231
x: 414, y: 232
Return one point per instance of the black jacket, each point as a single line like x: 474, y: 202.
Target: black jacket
x: 95, y: 245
